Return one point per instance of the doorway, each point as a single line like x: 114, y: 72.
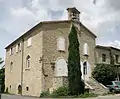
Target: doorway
x: 20, y: 89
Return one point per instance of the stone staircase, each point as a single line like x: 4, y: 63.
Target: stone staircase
x: 96, y: 87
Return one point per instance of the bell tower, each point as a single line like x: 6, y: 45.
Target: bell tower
x: 73, y: 14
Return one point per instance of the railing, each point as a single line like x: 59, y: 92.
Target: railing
x: 99, y: 83
x: 89, y: 86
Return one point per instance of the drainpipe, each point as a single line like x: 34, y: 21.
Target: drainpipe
x: 22, y: 45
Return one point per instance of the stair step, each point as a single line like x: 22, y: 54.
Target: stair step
x: 98, y: 88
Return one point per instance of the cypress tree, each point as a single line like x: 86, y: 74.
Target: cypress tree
x: 76, y: 85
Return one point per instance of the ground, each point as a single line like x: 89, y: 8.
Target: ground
x: 21, y: 97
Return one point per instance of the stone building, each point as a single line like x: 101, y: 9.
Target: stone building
x: 108, y: 55
x: 105, y: 54
x: 37, y: 60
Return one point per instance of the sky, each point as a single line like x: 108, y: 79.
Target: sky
x: 18, y: 16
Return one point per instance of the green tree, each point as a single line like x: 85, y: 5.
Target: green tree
x: 104, y: 73
x: 1, y: 61
x: 76, y: 85
x: 2, y: 77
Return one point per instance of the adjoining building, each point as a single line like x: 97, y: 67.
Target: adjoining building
x: 108, y: 55
x: 37, y: 60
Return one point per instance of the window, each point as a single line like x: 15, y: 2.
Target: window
x: 10, y: 86
x: 18, y: 47
x: 85, y: 68
x: 27, y: 88
x: 19, y: 89
x: 29, y: 42
x: 61, y: 68
x: 104, y: 57
x: 11, y: 66
x: 86, y: 49
x: 117, y: 58
x: 61, y: 44
x: 11, y: 51
x: 28, y: 62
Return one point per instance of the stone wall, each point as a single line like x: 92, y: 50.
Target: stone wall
x: 51, y: 54
x: 60, y: 81
x: 99, y: 52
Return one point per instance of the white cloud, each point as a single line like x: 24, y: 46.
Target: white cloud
x: 24, y: 14
x: 115, y: 43
x: 21, y: 12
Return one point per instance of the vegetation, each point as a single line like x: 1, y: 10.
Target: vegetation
x: 62, y: 92
x: 104, y: 73
x: 76, y: 85
x: 2, y: 77
x: 86, y: 95
x: 1, y: 61
x: 45, y: 94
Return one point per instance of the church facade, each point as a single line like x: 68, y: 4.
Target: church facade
x: 37, y: 60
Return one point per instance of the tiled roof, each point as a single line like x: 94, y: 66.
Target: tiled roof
x: 107, y: 47
x: 47, y: 22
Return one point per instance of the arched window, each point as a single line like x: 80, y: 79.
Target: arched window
x: 27, y: 88
x: 28, y: 62
x: 61, y: 44
x: 11, y: 66
x: 10, y: 87
x: 19, y: 89
x: 61, y: 68
x: 85, y: 68
x: 86, y: 49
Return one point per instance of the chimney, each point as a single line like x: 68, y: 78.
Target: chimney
x: 73, y: 14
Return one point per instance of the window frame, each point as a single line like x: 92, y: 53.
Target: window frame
x: 29, y: 42
x: 86, y: 49
x: 11, y: 51
x: 117, y: 58
x: 59, y: 41
x: 104, y: 57
x: 85, y: 72
x: 28, y: 59
x: 18, y: 47
x: 27, y: 88
x: 63, y: 69
x: 11, y: 66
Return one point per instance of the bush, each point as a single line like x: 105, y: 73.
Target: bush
x: 45, y: 94
x: 61, y: 91
x: 104, y: 73
x: 86, y: 95
x: 2, y: 79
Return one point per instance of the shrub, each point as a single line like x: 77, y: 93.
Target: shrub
x: 2, y: 79
x: 61, y: 91
x: 86, y: 94
x: 45, y: 94
x: 104, y: 73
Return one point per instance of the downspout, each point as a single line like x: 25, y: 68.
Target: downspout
x: 22, y: 64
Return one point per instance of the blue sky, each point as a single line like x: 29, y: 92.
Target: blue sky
x: 17, y: 16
